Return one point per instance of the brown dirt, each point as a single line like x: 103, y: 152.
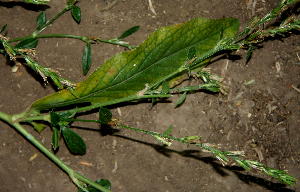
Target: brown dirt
x: 240, y: 120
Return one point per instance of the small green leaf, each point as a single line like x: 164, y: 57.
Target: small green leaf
x: 76, y: 12
x: 218, y: 154
x: 103, y: 182
x: 129, y: 32
x: 27, y: 43
x: 63, y: 124
x: 165, y: 87
x: 66, y: 114
x: 243, y: 163
x: 38, y: 126
x: 182, y: 98
x: 153, y: 100
x: 192, y: 139
x: 191, y: 54
x: 55, y: 118
x: 168, y: 131
x: 249, y: 53
x: 104, y: 115
x: 70, y: 2
x: 55, y: 138
x: 86, y: 58
x: 41, y: 20
x: 74, y: 142
x: 3, y: 28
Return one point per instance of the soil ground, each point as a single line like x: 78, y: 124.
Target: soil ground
x: 261, y: 118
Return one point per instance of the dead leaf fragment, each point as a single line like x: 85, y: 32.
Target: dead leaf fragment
x: 86, y: 163
x: 151, y: 7
x: 33, y: 157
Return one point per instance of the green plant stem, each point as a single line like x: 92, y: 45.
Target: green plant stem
x: 34, y: 34
x: 73, y: 175
x: 49, y: 36
x: 194, y: 88
x: 85, y: 39
x: 81, y: 120
x: 130, y: 98
x: 90, y: 107
x: 116, y: 42
x: 154, y: 133
x: 282, y: 176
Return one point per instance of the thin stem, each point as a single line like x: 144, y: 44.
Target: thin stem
x: 85, y: 39
x: 82, y: 120
x: 49, y: 36
x: 116, y: 42
x: 130, y: 98
x: 90, y: 107
x: 193, y: 88
x: 68, y: 7
x: 154, y: 133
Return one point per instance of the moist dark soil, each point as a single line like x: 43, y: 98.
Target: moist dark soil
x: 261, y: 119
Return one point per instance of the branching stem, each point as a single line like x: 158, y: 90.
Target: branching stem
x: 73, y: 175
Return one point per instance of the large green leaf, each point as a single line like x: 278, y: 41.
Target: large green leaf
x: 161, y: 54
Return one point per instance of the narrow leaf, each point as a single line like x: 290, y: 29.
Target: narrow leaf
x: 164, y: 140
x: 55, y: 119
x: 104, y: 115
x: 74, y: 142
x: 153, y: 100
x: 86, y: 58
x: 70, y: 2
x: 243, y: 163
x: 182, y: 98
x: 41, y: 20
x: 55, y: 138
x: 129, y: 32
x: 168, y: 131
x: 249, y: 52
x: 3, y: 28
x: 27, y: 43
x: 162, y: 53
x: 76, y: 12
x: 38, y: 126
